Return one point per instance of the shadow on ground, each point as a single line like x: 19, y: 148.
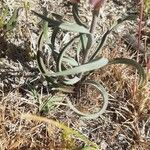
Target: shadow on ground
x: 17, y: 68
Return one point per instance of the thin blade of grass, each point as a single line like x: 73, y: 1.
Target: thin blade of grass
x: 51, y: 102
x: 61, y: 126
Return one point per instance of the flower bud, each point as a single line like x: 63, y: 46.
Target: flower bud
x: 96, y: 4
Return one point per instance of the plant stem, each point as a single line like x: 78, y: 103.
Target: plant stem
x: 94, y: 21
x: 139, y: 43
x: 140, y: 27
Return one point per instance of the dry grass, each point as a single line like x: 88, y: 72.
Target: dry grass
x: 124, y: 126
x: 17, y: 133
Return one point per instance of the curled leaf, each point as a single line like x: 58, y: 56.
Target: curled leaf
x: 76, y: 16
x: 95, y: 64
x: 67, y: 26
x: 103, y: 40
x: 102, y: 90
x: 133, y: 63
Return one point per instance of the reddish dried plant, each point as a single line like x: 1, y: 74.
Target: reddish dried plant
x: 96, y: 4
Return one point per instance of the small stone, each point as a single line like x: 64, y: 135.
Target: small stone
x: 103, y: 145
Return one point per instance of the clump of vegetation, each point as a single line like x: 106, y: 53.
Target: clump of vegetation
x: 75, y: 58
x: 75, y: 53
x: 6, y: 24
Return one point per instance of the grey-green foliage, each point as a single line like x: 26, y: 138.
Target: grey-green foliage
x: 69, y: 69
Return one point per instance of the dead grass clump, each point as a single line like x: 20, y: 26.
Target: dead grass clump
x: 16, y: 133
x: 128, y: 113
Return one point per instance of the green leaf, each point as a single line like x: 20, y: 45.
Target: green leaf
x: 45, y: 30
x: 63, y: 25
x: 80, y: 47
x: 72, y: 81
x: 57, y: 16
x: 95, y: 64
x: 63, y: 51
x: 42, y: 66
x: 101, y: 44
x: 76, y: 15
x: 70, y: 61
x: 44, y: 24
x: 105, y: 36
x: 13, y: 20
x: 52, y: 22
x: 89, y: 148
x: 60, y: 126
x: 73, y: 27
x: 133, y: 63
x: 51, y: 102
x: 52, y: 45
x: 88, y: 44
x: 102, y: 90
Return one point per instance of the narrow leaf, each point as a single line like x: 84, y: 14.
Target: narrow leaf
x: 96, y: 64
x: 76, y: 16
x: 13, y: 20
x: 105, y: 36
x: 73, y: 27
x: 133, y: 63
x: 63, y: 51
x: 72, y: 81
x: 63, y: 25
x: 102, y: 90
x: 88, y: 148
x: 40, y: 62
x: 51, y: 102
x: 61, y: 126
x: 70, y: 61
x: 52, y: 22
